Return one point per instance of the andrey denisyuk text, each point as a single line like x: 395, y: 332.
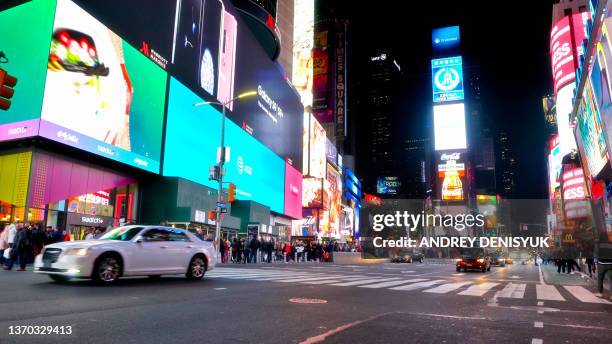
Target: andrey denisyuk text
x: 463, y: 242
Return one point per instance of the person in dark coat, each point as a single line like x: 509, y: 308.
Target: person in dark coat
x: 23, y: 245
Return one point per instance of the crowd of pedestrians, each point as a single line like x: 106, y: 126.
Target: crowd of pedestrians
x: 244, y: 251
x: 21, y: 242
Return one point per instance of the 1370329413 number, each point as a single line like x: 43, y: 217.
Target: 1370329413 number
x: 40, y: 330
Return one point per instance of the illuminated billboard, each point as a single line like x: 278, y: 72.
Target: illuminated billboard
x: 575, y: 204
x: 191, y: 148
x: 331, y: 152
x: 101, y: 94
x: 388, y: 185
x: 445, y: 39
x: 333, y: 189
x: 554, y: 164
x: 293, y: 192
x: 562, y: 54
x: 452, y: 181
x: 449, y: 127
x: 589, y: 128
x: 303, y: 42
x: 312, y: 193
x: 447, y: 79
x: 314, y: 145
x: 27, y: 51
x: 600, y: 76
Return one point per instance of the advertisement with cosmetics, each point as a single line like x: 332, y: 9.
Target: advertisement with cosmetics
x: 191, y: 148
x: 26, y: 50
x: 102, y: 95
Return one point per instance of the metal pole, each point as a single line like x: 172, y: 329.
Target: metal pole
x: 220, y: 195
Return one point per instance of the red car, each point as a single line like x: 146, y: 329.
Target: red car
x: 474, y: 260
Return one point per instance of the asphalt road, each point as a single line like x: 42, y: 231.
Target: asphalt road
x: 387, y: 303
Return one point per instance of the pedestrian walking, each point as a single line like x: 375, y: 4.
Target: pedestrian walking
x: 3, y: 243
x: 234, y: 250
x: 590, y: 262
x: 22, y: 248
x: 604, y: 263
x: 254, y: 246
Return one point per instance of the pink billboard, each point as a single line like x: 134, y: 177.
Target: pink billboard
x: 293, y: 192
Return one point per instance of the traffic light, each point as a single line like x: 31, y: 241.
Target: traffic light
x: 231, y: 193
x: 7, y: 82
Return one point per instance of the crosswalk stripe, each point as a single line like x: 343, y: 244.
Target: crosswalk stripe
x: 418, y: 285
x: 512, y: 290
x: 445, y: 288
x: 583, y: 294
x: 548, y: 292
x: 241, y: 276
x: 392, y: 283
x: 306, y: 279
x: 323, y: 281
x: 478, y: 289
x: 280, y: 277
x: 364, y: 281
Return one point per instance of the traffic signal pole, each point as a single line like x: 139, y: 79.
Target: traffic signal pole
x: 220, y: 195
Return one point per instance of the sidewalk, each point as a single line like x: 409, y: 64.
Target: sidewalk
x: 551, y: 276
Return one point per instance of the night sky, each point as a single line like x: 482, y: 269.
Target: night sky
x: 509, y: 46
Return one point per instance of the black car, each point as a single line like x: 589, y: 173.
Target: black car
x: 498, y: 259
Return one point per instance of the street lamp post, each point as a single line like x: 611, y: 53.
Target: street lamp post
x: 222, y: 161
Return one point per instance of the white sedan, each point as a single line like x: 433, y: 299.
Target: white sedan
x: 128, y: 251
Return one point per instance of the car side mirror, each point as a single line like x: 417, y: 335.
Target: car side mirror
x: 139, y: 241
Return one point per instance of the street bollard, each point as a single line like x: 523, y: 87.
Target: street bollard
x: 285, y: 257
x: 306, y: 257
x: 295, y: 257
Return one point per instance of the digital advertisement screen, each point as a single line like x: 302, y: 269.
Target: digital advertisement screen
x: 27, y: 51
x: 447, y: 79
x: 312, y: 192
x: 562, y: 54
x: 331, y: 152
x: 452, y: 181
x: 315, y: 141
x: 574, y: 194
x: 449, y: 127
x: 388, y: 185
x: 445, y: 39
x: 303, y: 42
x: 554, y: 164
x: 600, y: 76
x: 333, y: 189
x: 565, y: 128
x: 293, y: 192
x: 191, y: 148
x: 101, y: 94
x: 590, y: 129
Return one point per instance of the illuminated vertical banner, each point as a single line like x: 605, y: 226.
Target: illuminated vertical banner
x: 303, y: 42
x: 447, y: 79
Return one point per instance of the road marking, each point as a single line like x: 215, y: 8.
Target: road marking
x: 540, y: 272
x: 540, y: 303
x: 538, y: 324
x: 418, y: 285
x: 407, y: 271
x: 323, y: 281
x: 220, y: 288
x: 308, y: 279
x: 478, y: 289
x: 282, y: 277
x: 512, y: 290
x: 583, y: 295
x: 364, y: 281
x: 515, y: 276
x: 458, y: 274
x: 548, y: 292
x: 445, y: 288
x: 392, y: 283
x: 536, y: 341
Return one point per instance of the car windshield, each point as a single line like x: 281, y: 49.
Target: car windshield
x: 122, y: 233
x: 472, y: 252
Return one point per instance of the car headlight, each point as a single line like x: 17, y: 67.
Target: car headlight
x: 76, y: 252
x: 458, y: 260
x: 481, y: 260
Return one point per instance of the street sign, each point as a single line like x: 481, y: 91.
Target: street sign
x: 221, y: 205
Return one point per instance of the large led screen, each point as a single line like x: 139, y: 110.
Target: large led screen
x: 600, y: 76
x: 26, y: 35
x: 293, y: 192
x: 192, y: 137
x: 449, y: 127
x: 303, y: 42
x: 388, y: 185
x: 101, y: 94
x: 314, y: 145
x: 451, y: 181
x: 447, y: 79
x: 591, y: 133
x: 445, y: 39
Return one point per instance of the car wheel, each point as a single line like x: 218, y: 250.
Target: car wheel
x: 155, y: 277
x: 197, y: 268
x: 489, y: 268
x: 59, y: 278
x: 107, y: 269
x: 410, y: 260
x: 458, y: 269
